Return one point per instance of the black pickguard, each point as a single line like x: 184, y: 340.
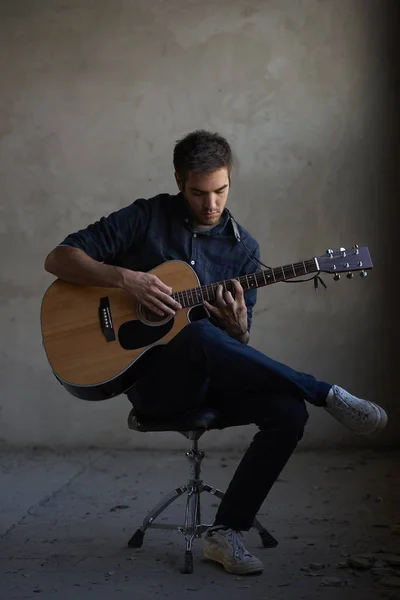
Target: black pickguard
x: 135, y: 334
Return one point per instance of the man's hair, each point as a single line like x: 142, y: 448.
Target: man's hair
x: 202, y: 152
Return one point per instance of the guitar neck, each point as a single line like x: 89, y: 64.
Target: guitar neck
x: 194, y: 296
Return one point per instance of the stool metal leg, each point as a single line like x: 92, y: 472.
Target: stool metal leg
x: 192, y: 523
x: 136, y: 540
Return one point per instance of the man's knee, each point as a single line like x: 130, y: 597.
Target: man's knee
x: 299, y: 415
x: 198, y: 330
x: 301, y: 419
x: 287, y: 413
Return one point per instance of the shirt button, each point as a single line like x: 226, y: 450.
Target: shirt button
x: 192, y: 262
x: 195, y: 235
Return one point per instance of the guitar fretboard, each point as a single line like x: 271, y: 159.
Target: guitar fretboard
x: 193, y: 296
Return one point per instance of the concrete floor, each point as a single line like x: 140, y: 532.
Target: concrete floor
x: 65, y: 519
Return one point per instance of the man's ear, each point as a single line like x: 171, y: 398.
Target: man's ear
x: 178, y: 182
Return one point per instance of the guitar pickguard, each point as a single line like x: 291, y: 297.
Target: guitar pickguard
x: 135, y: 334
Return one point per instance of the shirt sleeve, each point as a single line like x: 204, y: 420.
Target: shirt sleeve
x: 251, y: 266
x: 116, y: 234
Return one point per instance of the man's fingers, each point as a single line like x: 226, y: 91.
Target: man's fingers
x: 213, y: 309
x: 238, y: 288
x: 228, y: 298
x: 219, y: 297
x: 164, y: 291
x: 153, y: 308
x: 239, y: 293
x: 153, y: 302
x: 161, y: 286
x: 166, y: 299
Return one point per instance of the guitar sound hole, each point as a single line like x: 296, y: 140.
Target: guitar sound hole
x: 147, y: 316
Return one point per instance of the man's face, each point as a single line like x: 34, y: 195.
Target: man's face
x: 206, y: 195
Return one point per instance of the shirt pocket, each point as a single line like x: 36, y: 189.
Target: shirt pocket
x: 218, y: 269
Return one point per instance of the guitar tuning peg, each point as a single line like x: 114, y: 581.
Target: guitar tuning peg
x: 350, y: 275
x: 336, y: 277
x: 363, y: 273
x: 329, y: 252
x: 356, y: 249
x: 342, y: 249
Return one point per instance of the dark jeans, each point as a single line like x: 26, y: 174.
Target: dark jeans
x: 203, y: 366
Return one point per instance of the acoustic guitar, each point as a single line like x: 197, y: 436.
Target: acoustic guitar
x: 95, y: 338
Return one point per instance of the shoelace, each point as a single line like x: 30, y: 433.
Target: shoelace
x: 235, y: 537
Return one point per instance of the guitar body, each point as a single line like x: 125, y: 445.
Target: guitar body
x: 78, y: 323
x: 96, y: 339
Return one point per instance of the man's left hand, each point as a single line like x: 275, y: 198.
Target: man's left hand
x: 231, y: 310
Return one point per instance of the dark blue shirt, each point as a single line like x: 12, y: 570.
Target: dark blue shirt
x: 150, y: 232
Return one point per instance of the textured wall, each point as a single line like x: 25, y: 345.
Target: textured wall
x: 95, y: 93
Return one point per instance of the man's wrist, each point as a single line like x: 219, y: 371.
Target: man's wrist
x: 244, y: 338
x: 120, y: 277
x: 241, y: 336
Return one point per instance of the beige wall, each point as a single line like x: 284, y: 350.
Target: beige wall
x: 94, y: 94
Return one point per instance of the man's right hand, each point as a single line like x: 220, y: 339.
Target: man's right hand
x: 149, y: 290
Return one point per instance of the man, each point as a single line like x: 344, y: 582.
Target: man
x: 209, y: 362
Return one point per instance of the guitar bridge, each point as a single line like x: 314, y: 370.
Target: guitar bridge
x: 106, y: 323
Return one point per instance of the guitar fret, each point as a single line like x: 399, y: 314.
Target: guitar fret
x: 294, y: 270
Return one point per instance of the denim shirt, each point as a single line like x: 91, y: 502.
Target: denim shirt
x: 149, y: 232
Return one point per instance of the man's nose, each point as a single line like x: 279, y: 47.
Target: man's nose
x: 210, y: 201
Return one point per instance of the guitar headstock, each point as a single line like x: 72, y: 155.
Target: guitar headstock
x: 345, y: 261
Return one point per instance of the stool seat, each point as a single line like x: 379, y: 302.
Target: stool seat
x: 201, y: 419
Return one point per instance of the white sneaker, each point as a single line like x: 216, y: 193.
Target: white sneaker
x: 225, y: 546
x: 361, y: 416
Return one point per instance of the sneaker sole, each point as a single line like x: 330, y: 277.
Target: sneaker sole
x: 381, y: 420
x: 216, y: 555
